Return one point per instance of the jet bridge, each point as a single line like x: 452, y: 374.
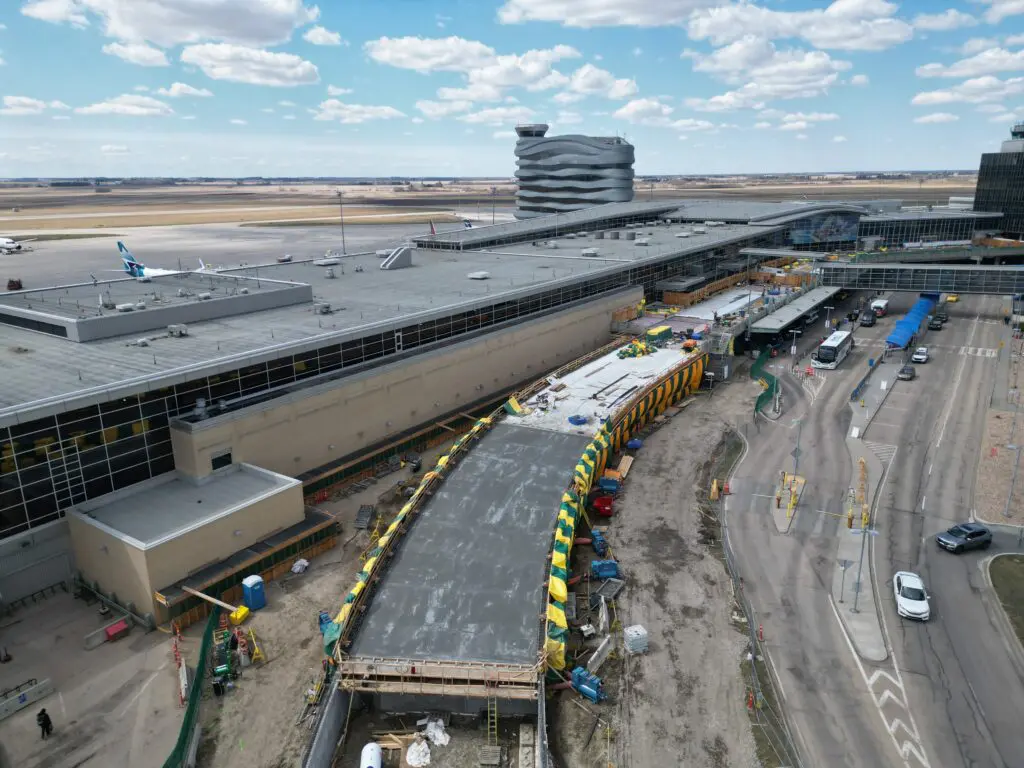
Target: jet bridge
x: 1000, y: 281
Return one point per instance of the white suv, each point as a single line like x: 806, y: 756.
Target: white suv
x: 920, y: 355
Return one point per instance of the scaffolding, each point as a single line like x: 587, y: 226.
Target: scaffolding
x: 474, y: 679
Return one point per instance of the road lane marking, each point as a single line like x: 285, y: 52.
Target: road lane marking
x: 930, y: 466
x: 956, y: 385
x: 923, y: 500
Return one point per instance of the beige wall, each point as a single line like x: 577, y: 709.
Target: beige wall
x: 215, y: 541
x: 306, y: 430
x: 118, y: 567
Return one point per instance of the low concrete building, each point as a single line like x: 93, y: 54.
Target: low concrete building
x: 139, y: 539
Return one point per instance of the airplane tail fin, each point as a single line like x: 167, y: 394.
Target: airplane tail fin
x: 202, y: 265
x: 432, y: 230
x: 126, y: 254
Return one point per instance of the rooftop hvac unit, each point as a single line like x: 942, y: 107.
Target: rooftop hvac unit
x: 322, y: 309
x: 140, y: 305
x: 613, y: 235
x: 684, y: 233
x: 479, y: 275
x: 205, y: 296
x: 589, y: 252
x: 125, y: 307
x: 700, y: 230
x: 106, y: 303
x: 177, y: 331
x: 328, y: 262
x: 631, y: 235
x: 141, y: 342
x: 643, y: 241
x: 552, y: 244
x: 244, y: 291
x: 599, y: 235
x: 383, y: 253
x: 329, y: 273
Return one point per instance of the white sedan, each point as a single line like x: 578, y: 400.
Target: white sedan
x: 920, y: 355
x: 911, y: 596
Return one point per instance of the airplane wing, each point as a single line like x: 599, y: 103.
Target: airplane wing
x: 156, y: 272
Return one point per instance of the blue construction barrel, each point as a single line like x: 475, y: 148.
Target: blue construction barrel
x: 252, y: 593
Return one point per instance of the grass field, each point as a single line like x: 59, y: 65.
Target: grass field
x: 1007, y: 574
x: 403, y: 218
x: 72, y: 218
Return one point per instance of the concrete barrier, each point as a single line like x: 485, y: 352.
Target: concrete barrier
x: 97, y: 638
x: 29, y: 692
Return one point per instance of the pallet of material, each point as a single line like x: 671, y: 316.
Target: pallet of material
x: 624, y: 466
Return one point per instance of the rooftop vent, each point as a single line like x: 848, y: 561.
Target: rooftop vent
x: 479, y: 275
x: 177, y: 330
x: 322, y: 309
x: 328, y: 262
x: 589, y: 252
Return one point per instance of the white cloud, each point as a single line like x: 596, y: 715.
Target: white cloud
x: 1014, y: 40
x: 767, y: 74
x: 985, y: 63
x: 945, y: 21
x: 61, y: 117
x: 859, y: 80
x: 810, y: 117
x: 1001, y: 9
x: 499, y: 116
x: 991, y: 108
x: 798, y: 125
x: 320, y: 36
x: 504, y: 134
x: 441, y: 20
x: 645, y: 111
x: 188, y: 117
x: 178, y: 90
x: 137, y: 53
x: 978, y: 44
x: 287, y: 117
x: 567, y: 98
x: 335, y: 110
x: 937, y: 117
x: 593, y: 81
x: 689, y: 124
x: 114, y: 149
x: 58, y: 105
x: 268, y: 110
x: 638, y: 51
x: 436, y: 109
x: 333, y: 90
x: 173, y: 22
x: 851, y: 25
x: 417, y: 120
x: 568, y: 118
x: 838, y: 139
x: 801, y: 136
x: 601, y: 13
x: 487, y: 73
x: 285, y: 103
x: 141, y: 88
x: 20, y: 106
x: 238, y: 121
x: 978, y: 90
x: 224, y: 61
x: 762, y: 125
x: 128, y: 104
x: 1006, y: 117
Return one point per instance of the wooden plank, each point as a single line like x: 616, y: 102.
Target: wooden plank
x: 207, y: 598
x: 624, y: 466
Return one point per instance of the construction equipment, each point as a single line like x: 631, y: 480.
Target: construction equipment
x: 604, y: 569
x: 598, y: 542
x: 237, y: 614
x: 588, y: 685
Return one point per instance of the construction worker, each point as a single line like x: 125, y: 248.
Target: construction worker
x: 44, y: 722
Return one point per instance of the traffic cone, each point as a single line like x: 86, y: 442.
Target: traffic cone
x: 725, y: 489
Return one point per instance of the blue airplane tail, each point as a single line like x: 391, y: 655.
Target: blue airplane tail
x: 131, y: 265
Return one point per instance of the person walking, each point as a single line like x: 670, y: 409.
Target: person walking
x: 44, y: 722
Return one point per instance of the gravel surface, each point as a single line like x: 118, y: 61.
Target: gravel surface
x: 995, y: 469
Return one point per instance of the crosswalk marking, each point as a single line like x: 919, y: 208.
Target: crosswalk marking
x: 962, y: 351
x: 978, y: 352
x: 883, y: 451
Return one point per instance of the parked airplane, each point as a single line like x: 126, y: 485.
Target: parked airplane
x: 137, y: 269
x: 7, y: 245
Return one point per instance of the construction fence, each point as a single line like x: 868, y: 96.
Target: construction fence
x: 184, y: 753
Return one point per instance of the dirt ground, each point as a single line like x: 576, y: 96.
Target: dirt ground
x: 681, y: 703
x: 995, y: 468
x: 112, y: 706
x: 255, y: 725
x: 69, y: 218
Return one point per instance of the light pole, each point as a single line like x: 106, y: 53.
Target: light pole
x: 341, y: 204
x: 792, y: 348
x: 494, y: 195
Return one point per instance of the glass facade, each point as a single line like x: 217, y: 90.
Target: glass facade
x: 899, y: 232
x: 1001, y: 188
x: 49, y: 464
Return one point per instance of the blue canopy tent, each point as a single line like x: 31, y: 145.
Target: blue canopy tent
x: 910, y: 324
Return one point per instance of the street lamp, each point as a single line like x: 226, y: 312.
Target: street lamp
x: 494, y: 195
x: 341, y: 204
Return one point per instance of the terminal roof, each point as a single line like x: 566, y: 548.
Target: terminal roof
x: 790, y: 313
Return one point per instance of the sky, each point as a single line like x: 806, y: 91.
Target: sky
x: 435, y: 87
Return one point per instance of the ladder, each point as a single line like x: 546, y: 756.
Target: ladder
x: 65, y: 467
x: 492, y: 714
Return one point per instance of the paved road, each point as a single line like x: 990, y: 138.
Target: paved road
x: 951, y: 691
x: 964, y: 684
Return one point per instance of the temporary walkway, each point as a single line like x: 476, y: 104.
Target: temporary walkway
x: 785, y: 316
x: 999, y: 281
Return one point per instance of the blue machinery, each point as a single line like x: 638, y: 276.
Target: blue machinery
x: 589, y: 685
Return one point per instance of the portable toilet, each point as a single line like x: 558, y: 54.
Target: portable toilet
x: 252, y: 592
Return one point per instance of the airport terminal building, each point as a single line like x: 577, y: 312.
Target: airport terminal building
x: 135, y: 415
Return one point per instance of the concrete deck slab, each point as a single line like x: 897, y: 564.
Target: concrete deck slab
x: 468, y: 582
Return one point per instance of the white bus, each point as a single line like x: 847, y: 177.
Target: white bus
x: 833, y: 350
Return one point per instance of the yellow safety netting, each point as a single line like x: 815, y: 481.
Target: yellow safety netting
x: 610, y: 438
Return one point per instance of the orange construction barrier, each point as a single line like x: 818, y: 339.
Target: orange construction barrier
x: 725, y: 489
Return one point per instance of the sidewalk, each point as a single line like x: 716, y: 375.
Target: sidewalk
x: 864, y: 625
x: 882, y: 380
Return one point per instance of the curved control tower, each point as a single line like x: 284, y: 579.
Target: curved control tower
x: 565, y: 173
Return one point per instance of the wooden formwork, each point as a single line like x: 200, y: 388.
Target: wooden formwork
x: 474, y: 679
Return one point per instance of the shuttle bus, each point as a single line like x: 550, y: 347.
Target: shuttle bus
x: 833, y: 350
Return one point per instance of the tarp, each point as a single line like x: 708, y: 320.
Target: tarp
x: 910, y: 324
